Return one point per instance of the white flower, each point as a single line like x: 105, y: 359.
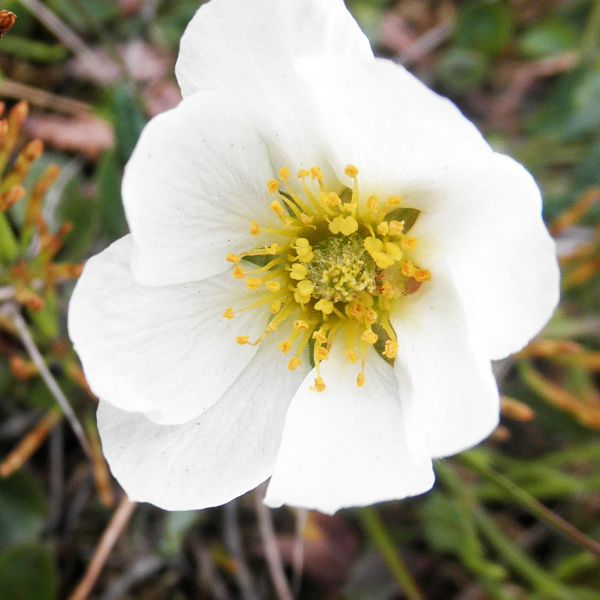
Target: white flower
x: 306, y: 198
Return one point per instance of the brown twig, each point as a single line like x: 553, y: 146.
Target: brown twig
x: 30, y: 443
x: 43, y: 99
x: 427, y: 43
x: 272, y: 554
x: 110, y: 536
x: 51, y: 383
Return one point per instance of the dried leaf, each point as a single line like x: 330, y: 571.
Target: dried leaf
x: 87, y: 135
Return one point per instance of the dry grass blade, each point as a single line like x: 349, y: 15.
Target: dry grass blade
x: 35, y: 355
x: 272, y: 555
x: 110, y: 536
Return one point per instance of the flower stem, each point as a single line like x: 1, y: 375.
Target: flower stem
x: 376, y: 531
x: 530, y: 504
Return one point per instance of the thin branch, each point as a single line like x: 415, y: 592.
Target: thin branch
x: 43, y: 99
x: 51, y: 383
x: 272, y: 555
x: 428, y: 42
x: 110, y: 536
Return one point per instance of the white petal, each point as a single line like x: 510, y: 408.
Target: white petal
x: 502, y: 257
x: 448, y: 392
x: 405, y: 139
x: 166, y: 352
x: 247, y: 50
x: 221, y: 454
x: 195, y: 182
x: 345, y: 446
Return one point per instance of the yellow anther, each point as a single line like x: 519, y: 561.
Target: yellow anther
x: 229, y: 314
x: 273, y: 186
x: 322, y: 354
x: 394, y: 201
x: 360, y: 380
x: 422, y: 275
x: 409, y: 243
x: 383, y: 228
x: 316, y: 174
x: 303, y: 173
x: 320, y: 337
x: 393, y: 251
x: 242, y: 340
x: 372, y: 203
x: 370, y: 316
x: 382, y: 260
x: 352, y: 357
x: 277, y: 208
x: 373, y: 244
x: 233, y: 258
x: 306, y: 219
x: 252, y: 283
x: 284, y: 174
x: 387, y: 290
x: 320, y: 385
x: 306, y: 287
x: 369, y: 337
x: 391, y: 349
x: 300, y: 325
x: 408, y: 269
x: 298, y: 272
x: 396, y: 228
x: 325, y: 306
x: 254, y: 228
x: 351, y: 171
x: 284, y: 347
x: 333, y: 200
x: 294, y: 363
x: 301, y: 243
x: 344, y: 225
x: 275, y: 307
x: 273, y: 286
x: 238, y: 273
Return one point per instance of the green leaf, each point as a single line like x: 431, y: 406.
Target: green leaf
x: 461, y: 70
x: 108, y: 180
x: 129, y: 120
x: 28, y: 573
x: 549, y: 37
x: 177, y: 526
x: 484, y: 26
x: 33, y: 50
x: 23, y: 509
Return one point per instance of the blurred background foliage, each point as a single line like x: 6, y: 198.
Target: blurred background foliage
x: 513, y: 519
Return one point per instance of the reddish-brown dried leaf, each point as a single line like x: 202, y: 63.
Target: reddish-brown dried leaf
x: 86, y: 135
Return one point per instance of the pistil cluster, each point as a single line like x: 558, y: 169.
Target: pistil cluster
x: 337, y: 268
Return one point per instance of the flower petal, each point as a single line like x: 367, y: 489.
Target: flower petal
x: 196, y: 181
x: 217, y: 456
x: 502, y: 257
x: 254, y: 62
x: 404, y: 138
x: 166, y: 352
x: 345, y: 446
x: 448, y: 391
